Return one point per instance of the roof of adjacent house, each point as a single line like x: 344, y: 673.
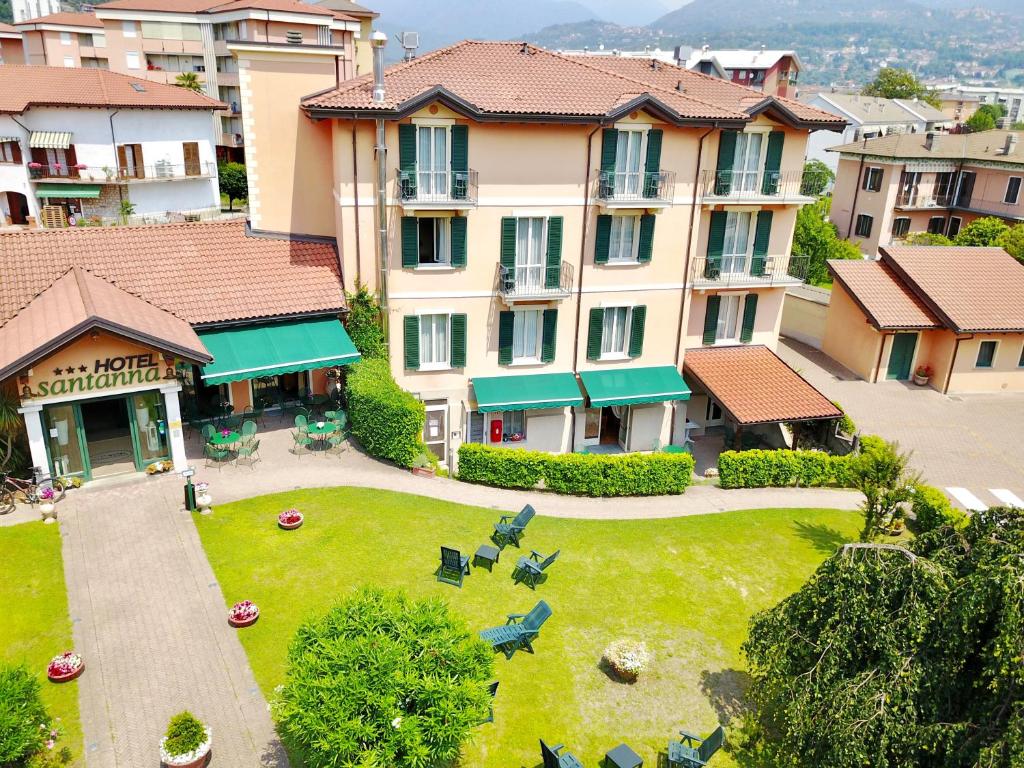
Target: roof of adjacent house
x: 213, y: 6
x: 204, y: 273
x: 741, y: 59
x: 77, y: 301
x: 872, y: 110
x: 65, y: 19
x: 499, y: 80
x: 7, y: 29
x: 969, y: 289
x: 987, y: 145
x: 885, y: 299
x: 350, y: 8
x: 755, y: 385
x: 22, y: 87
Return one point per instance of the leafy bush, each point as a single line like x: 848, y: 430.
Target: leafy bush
x: 1012, y: 241
x: 933, y: 510
x: 381, y: 680
x: 386, y: 420
x: 363, y: 323
x: 778, y: 469
x: 816, y: 238
x: 816, y: 179
x: 927, y: 238
x: 632, y: 474
x: 846, y: 424
x: 980, y: 232
x: 21, y: 715
x: 184, y: 734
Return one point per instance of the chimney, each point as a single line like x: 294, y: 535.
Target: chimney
x: 1011, y: 144
x: 929, y: 141
x: 377, y: 41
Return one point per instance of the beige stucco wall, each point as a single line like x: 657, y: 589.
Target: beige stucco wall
x: 1006, y: 374
x: 803, y: 320
x: 766, y: 321
x: 12, y: 50
x: 849, y: 338
x: 849, y: 201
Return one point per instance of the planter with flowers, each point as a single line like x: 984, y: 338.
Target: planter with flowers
x: 203, y: 497
x: 187, y: 743
x: 65, y: 667
x: 423, y: 466
x: 243, y: 614
x: 290, y: 519
x: 626, y: 659
x: 46, y: 505
x: 922, y: 374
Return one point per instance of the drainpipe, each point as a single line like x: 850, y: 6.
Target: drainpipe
x: 355, y: 203
x: 378, y: 40
x: 856, y: 194
x: 113, y: 141
x: 952, y: 361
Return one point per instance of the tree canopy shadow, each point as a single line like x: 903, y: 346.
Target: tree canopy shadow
x: 823, y: 538
x: 726, y: 691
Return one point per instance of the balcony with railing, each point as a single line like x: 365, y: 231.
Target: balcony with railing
x: 912, y: 199
x: 55, y: 171
x: 534, y: 282
x: 760, y: 186
x: 635, y: 189
x: 1000, y: 208
x: 451, y: 190
x: 747, y: 271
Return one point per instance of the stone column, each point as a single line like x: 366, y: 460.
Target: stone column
x: 33, y: 415
x: 175, y: 435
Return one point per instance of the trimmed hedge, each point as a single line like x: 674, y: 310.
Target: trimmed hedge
x: 632, y: 474
x: 778, y: 469
x: 933, y: 510
x: 386, y: 420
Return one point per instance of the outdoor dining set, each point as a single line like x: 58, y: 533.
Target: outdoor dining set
x: 224, y: 443
x: 325, y: 434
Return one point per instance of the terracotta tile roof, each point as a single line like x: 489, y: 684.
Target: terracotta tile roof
x: 987, y: 145
x: 886, y: 300
x: 285, y: 6
x: 348, y: 7
x: 755, y: 386
x: 213, y: 6
x: 77, y: 301
x: 7, y: 28
x: 712, y: 90
x: 65, y: 19
x: 204, y: 273
x: 22, y: 87
x: 970, y: 289
x: 516, y: 78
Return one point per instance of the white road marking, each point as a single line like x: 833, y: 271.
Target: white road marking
x: 967, y: 499
x: 1007, y: 497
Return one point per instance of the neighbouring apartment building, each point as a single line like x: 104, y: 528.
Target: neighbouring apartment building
x: 868, y: 117
x: 77, y: 143
x: 11, y: 51
x: 972, y: 96
x: 31, y: 9
x: 158, y: 40
x: 550, y: 235
x: 889, y: 187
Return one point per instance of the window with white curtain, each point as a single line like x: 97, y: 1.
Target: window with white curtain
x: 728, y: 318
x: 526, y: 335
x: 624, y: 241
x: 737, y: 241
x: 529, y: 254
x: 615, y: 331
x: 131, y: 59
x: 628, y: 164
x: 746, y: 163
x: 432, y: 159
x: 434, y: 341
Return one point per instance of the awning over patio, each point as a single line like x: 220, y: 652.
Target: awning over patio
x: 50, y: 139
x: 249, y: 352
x: 80, y: 191
x: 634, y: 386
x: 755, y: 386
x: 525, y: 392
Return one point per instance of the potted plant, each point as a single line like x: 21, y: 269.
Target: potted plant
x: 626, y: 659
x: 46, y: 505
x: 290, y: 519
x: 922, y: 374
x: 203, y: 497
x: 423, y: 466
x: 243, y: 614
x: 187, y: 742
x: 65, y: 667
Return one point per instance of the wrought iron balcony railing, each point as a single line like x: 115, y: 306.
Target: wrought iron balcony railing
x: 758, y: 185
x: 438, y: 187
x: 924, y: 199
x: 729, y: 271
x: 520, y: 283
x: 636, y: 186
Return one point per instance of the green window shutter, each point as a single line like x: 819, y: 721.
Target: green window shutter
x: 508, y: 242
x: 460, y: 161
x: 749, y: 313
x: 553, y: 270
x: 711, y: 319
x: 506, y: 327
x: 609, y: 143
x: 412, y: 342
x: 594, y: 333
x: 762, y: 236
x: 636, y: 330
x: 646, y: 245
x: 726, y: 155
x: 772, y: 163
x: 407, y: 158
x: 652, y: 166
x: 550, y: 329
x: 457, y: 225
x: 458, y: 352
x: 410, y: 242
x: 602, y: 239
x: 716, y: 244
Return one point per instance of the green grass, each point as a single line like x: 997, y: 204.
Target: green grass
x: 34, y: 622
x: 686, y: 586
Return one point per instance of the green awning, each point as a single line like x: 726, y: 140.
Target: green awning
x: 632, y: 386
x: 68, y: 190
x: 252, y: 351
x: 530, y: 390
x: 49, y: 139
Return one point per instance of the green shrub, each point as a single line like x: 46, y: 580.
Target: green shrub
x: 381, y: 680
x: 386, y: 420
x: 184, y: 734
x: 846, y: 424
x: 932, y: 510
x: 363, y: 323
x: 21, y: 714
x: 779, y: 469
x: 632, y: 474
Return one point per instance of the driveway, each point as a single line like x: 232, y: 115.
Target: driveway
x: 965, y: 441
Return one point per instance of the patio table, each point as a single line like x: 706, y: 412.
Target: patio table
x: 319, y: 431
x: 219, y: 439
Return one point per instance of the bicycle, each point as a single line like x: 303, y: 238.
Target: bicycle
x: 15, y: 490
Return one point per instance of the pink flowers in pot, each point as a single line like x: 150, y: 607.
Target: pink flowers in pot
x: 46, y: 494
x: 243, y: 614
x: 225, y: 432
x: 65, y: 666
x: 290, y: 518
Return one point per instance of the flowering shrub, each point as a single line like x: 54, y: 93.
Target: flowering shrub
x: 924, y: 371
x: 23, y: 717
x: 187, y: 739
x: 627, y: 659
x: 64, y: 664
x: 290, y: 517
x: 246, y: 610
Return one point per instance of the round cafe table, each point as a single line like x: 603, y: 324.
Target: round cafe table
x: 319, y: 430
x: 220, y: 440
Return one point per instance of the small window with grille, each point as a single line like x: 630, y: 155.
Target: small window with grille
x: 293, y: 36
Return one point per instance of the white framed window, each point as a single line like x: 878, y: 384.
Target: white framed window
x: 128, y: 29
x: 738, y: 241
x: 434, y: 241
x: 513, y: 426
x: 900, y: 226
x: 986, y: 354
x: 7, y: 150
x: 936, y: 225
x: 954, y: 227
x: 615, y: 332
x: 65, y: 38
x: 69, y: 62
x: 99, y: 40
x: 629, y: 161
x: 872, y: 179
x: 1012, y: 190
x: 624, y: 242
x: 728, y: 329
x: 527, y: 330
x: 530, y: 235
x: 864, y: 224
x: 748, y: 160
x: 131, y: 59
x: 433, y: 150
x: 434, y: 342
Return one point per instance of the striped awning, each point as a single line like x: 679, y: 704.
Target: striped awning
x: 8, y: 138
x: 50, y: 139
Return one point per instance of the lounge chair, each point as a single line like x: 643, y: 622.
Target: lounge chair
x: 454, y: 566
x: 511, y: 528
x: 693, y: 751
x: 519, y: 631
x: 552, y: 758
x: 529, y: 570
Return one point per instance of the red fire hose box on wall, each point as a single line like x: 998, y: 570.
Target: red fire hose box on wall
x: 496, y: 430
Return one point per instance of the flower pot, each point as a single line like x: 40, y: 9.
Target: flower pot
x: 921, y: 381
x: 424, y: 471
x: 48, y: 511
x: 241, y: 623
x: 68, y: 677
x: 290, y: 526
x: 195, y: 759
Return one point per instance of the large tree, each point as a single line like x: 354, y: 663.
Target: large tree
x: 898, y: 658
x: 986, y: 231
x: 1012, y: 241
x: 817, y: 240
x: 233, y: 182
x: 896, y: 83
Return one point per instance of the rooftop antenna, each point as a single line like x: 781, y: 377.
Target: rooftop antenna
x: 409, y: 41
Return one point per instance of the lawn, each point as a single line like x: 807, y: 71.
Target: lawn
x: 686, y: 586
x: 34, y: 622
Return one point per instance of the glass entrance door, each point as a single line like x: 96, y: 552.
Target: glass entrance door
x: 435, y: 431
x: 64, y: 440
x: 108, y: 436
x: 150, y: 427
